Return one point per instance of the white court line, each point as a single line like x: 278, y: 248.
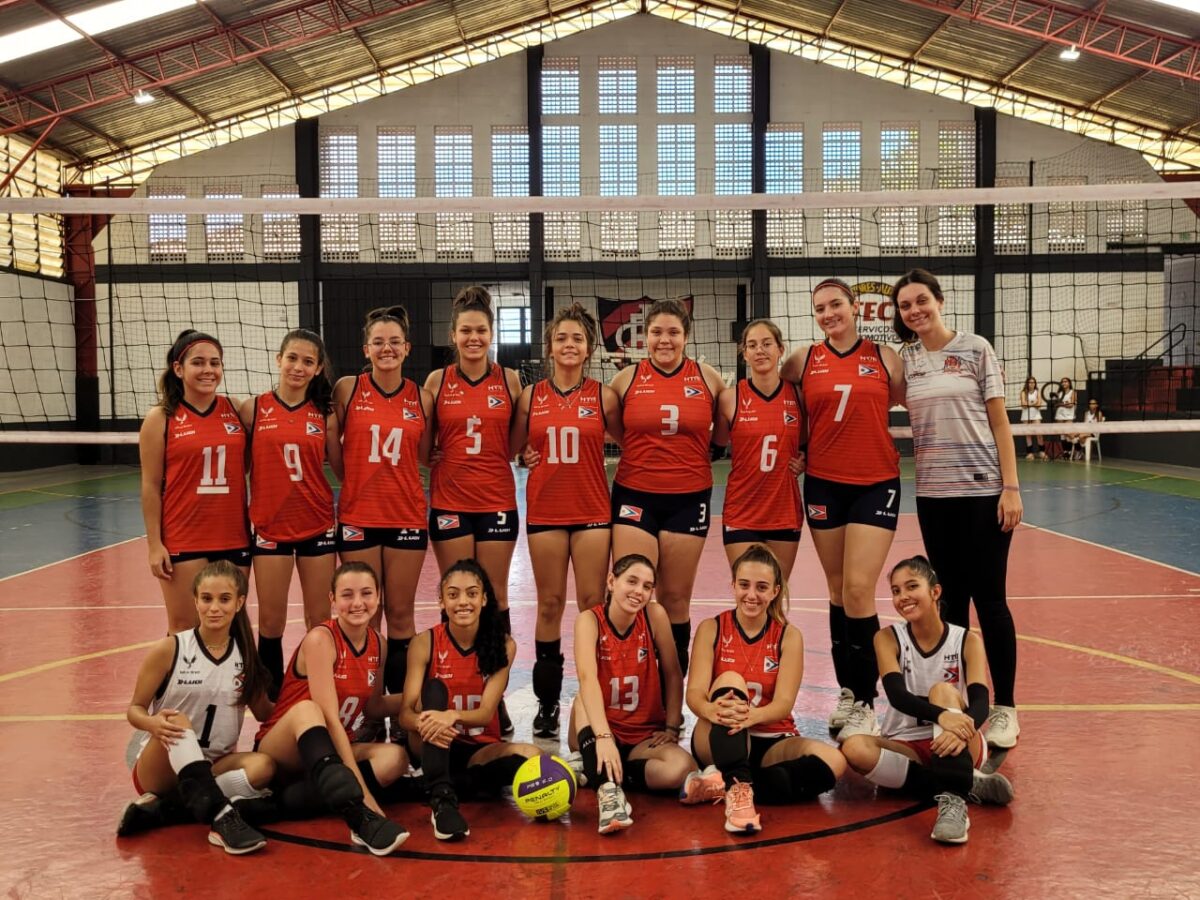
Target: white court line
x: 59, y: 562
x: 1153, y: 562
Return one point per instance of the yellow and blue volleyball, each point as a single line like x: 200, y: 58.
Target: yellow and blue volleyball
x: 544, y: 787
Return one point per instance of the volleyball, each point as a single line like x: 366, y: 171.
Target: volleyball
x: 544, y: 787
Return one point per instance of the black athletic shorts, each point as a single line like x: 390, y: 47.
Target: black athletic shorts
x: 833, y: 504
x: 531, y: 528
x: 352, y: 537
x: 239, y: 556
x: 320, y: 544
x: 678, y: 513
x: 754, y: 536
x: 446, y: 525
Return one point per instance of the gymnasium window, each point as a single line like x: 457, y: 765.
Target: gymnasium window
x: 785, y: 175
x: 560, y: 86
x: 1066, y: 229
x: 168, y: 231
x: 512, y: 325
x: 560, y: 178
x: 676, y: 85
x: 510, y: 178
x: 338, y: 151
x: 1124, y: 220
x: 1012, y: 219
x: 281, y: 231
x: 396, y: 152
x: 676, y: 175
x: 31, y: 242
x: 732, y: 150
x: 900, y: 170
x: 454, y: 236
x: 842, y: 171
x: 956, y: 169
x: 618, y: 178
x: 617, y: 86
x: 224, y: 233
x: 731, y: 84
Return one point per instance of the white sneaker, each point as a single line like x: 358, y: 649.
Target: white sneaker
x: 952, y: 822
x: 1002, y: 727
x: 841, y: 712
x: 614, y: 808
x: 574, y: 759
x: 861, y: 720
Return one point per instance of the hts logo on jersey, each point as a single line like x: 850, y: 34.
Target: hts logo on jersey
x: 950, y: 674
x: 692, y: 392
x: 495, y: 402
x: 866, y: 371
x: 643, y: 654
x: 789, y: 419
x: 410, y: 415
x: 770, y: 664
x: 444, y: 523
x: 313, y: 428
x: 263, y: 544
x: 586, y: 412
x: 233, y: 428
x: 819, y: 513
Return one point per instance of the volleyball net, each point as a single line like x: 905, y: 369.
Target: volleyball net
x: 1096, y: 283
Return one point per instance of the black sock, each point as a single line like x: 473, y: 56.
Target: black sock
x: 547, y: 671
x: 489, y: 778
x: 300, y: 800
x: 397, y: 665
x: 335, y: 784
x: 944, y: 774
x: 270, y: 651
x: 634, y: 774
x: 682, y: 633
x: 794, y: 780
x: 435, y: 761
x: 838, y: 647
x: 860, y: 654
x: 587, y: 750
x: 200, y: 791
x: 506, y: 618
x: 730, y: 752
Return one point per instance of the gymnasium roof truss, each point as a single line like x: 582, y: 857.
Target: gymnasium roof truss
x: 31, y: 108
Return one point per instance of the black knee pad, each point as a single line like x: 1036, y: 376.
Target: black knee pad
x: 200, y: 792
x: 548, y: 678
x: 726, y: 691
x: 337, y: 786
x: 434, y: 695
x: 634, y: 774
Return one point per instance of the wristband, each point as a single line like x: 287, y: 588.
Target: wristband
x: 1013, y: 487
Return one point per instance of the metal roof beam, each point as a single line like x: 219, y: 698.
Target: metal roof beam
x: 1113, y: 91
x: 833, y: 19
x: 216, y: 49
x: 938, y: 29
x: 1090, y: 30
x: 1019, y: 67
x: 262, y: 63
x: 79, y: 123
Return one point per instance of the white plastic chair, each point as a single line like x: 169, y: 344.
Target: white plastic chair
x: 1087, y: 448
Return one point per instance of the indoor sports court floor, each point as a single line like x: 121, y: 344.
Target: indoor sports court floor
x: 1105, y: 587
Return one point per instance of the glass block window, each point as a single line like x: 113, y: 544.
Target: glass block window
x: 731, y: 84
x: 676, y: 85
x: 396, y: 152
x: 899, y: 170
x: 618, y: 178
x: 1066, y: 223
x: 617, y: 86
x: 337, y: 149
x: 1012, y: 220
x: 676, y: 175
x: 560, y: 86
x: 168, y: 231
x: 454, y: 233
x: 224, y: 233
x: 510, y: 178
x: 732, y: 150
x: 560, y: 178
x: 956, y: 169
x: 841, y: 168
x: 785, y: 175
x: 281, y: 231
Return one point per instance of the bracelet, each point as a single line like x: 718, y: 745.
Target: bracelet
x: 677, y: 729
x: 1013, y: 487
x: 607, y: 734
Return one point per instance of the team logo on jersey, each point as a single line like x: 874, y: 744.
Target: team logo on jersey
x: 727, y: 639
x: 952, y: 364
x: 865, y: 371
x: 789, y: 419
x: 181, y: 418
x: 747, y: 402
x: 451, y: 387
x: 950, y: 673
x: 818, y: 513
x: 350, y: 533
x: 692, y: 392
x: 444, y: 523
x: 263, y: 543
x: 188, y: 661
x: 646, y: 377
x: 442, y: 654
x: 495, y: 402
x: 542, y: 399
x: 410, y: 415
x: 268, y: 411
x: 770, y: 664
x: 313, y: 428
x: 643, y: 654
x: 586, y: 412
x: 818, y: 357
x: 632, y: 513
x: 371, y: 678
x: 233, y: 428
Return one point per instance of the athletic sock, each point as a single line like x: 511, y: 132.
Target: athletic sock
x: 682, y: 633
x: 336, y: 785
x: 235, y: 784
x: 587, y: 750
x: 396, y: 666
x: 730, y: 752
x: 200, y: 792
x: 837, y: 644
x: 270, y: 651
x: 491, y: 777
x: 794, y: 780
x: 943, y: 774
x: 634, y: 772
x: 863, y: 670
x: 547, y: 671
x: 435, y: 761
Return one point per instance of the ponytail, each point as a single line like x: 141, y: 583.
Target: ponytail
x: 170, y: 385
x: 777, y: 609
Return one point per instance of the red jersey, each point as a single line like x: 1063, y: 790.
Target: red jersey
x: 290, y: 497
x: 668, y: 426
x: 762, y: 493
x: 757, y: 660
x: 354, y: 676
x: 569, y: 484
x: 380, y: 438
x: 473, y: 419
x: 846, y: 401
x: 627, y: 667
x: 204, y: 479
x: 458, y: 669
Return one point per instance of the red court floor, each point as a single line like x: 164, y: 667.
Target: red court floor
x: 1109, y: 697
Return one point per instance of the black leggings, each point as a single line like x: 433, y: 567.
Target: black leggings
x: 969, y: 552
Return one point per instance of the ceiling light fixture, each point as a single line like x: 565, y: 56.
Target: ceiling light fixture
x: 141, y: 98
x: 1070, y: 54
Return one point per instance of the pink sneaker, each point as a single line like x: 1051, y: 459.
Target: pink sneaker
x: 740, y: 814
x: 703, y: 787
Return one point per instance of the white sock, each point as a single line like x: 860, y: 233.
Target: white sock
x: 235, y: 785
x: 185, y: 751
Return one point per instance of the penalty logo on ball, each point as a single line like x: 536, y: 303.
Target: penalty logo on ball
x: 544, y: 787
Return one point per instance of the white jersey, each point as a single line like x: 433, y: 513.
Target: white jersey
x: 208, y: 691
x: 944, y: 664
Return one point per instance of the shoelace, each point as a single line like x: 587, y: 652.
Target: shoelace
x: 948, y: 808
x: 740, y: 797
x: 611, y: 802
x: 1000, y: 718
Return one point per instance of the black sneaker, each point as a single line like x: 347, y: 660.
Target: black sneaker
x: 545, y: 723
x: 378, y: 834
x: 264, y: 810
x: 143, y: 814
x: 506, y: 725
x: 448, y: 822
x: 231, y: 833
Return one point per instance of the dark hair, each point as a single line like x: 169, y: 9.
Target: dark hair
x: 670, y: 307
x: 626, y: 562
x: 491, y: 644
x: 395, y: 313
x: 765, y: 323
x: 170, y: 385
x: 761, y: 553
x: 1067, y: 379
x: 840, y: 285
x: 320, y: 389
x: 349, y: 568
x: 471, y: 299
x: 920, y: 567
x: 573, y: 313
x: 914, y: 276
x: 255, y: 676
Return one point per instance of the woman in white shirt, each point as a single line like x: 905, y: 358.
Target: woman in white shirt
x: 1031, y: 411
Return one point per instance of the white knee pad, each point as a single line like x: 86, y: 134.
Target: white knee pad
x: 891, y: 771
